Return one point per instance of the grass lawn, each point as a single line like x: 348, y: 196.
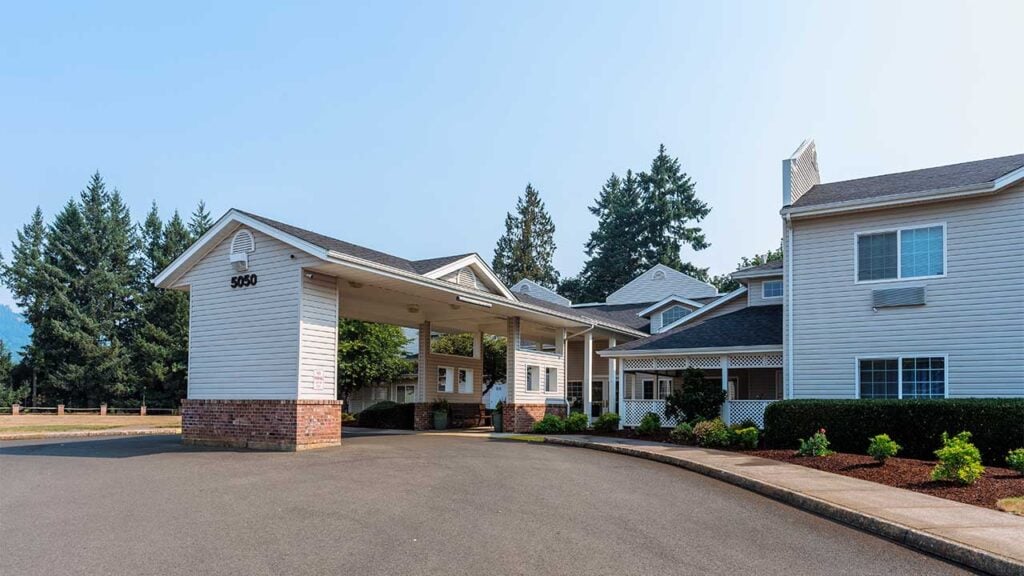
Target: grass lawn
x: 42, y: 423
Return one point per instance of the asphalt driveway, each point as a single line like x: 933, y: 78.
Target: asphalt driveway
x: 421, y: 504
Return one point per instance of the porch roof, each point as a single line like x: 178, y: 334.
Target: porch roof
x: 753, y: 326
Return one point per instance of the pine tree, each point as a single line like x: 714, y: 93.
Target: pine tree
x: 25, y: 276
x: 670, y: 210
x: 614, y: 250
x: 527, y: 247
x: 200, y: 221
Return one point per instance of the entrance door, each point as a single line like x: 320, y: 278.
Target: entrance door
x: 596, y: 398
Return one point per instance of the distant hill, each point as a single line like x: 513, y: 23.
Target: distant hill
x: 13, y: 331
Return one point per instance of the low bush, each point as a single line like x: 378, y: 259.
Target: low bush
x: 1015, y: 460
x: 607, y: 422
x: 576, y: 423
x: 388, y: 414
x: 682, y: 433
x: 348, y: 417
x: 711, y: 434
x: 997, y: 423
x: 549, y: 424
x: 881, y: 447
x: 649, y: 424
x: 747, y: 423
x: 746, y: 438
x: 959, y: 460
x: 697, y: 398
x: 816, y: 445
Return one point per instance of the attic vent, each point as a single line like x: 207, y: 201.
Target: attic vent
x: 658, y: 275
x: 892, y: 297
x: 524, y: 288
x: 243, y: 242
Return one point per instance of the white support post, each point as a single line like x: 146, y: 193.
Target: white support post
x: 621, y: 389
x: 725, y: 386
x: 588, y: 371
x: 611, y: 393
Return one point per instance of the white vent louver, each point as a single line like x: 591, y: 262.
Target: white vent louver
x: 892, y: 297
x: 242, y: 244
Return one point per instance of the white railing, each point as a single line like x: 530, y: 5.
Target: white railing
x: 736, y: 411
x: 635, y: 410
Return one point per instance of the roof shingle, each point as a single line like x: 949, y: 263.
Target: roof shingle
x: 750, y: 326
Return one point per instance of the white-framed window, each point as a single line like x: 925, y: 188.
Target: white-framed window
x: 901, y: 253
x: 465, y: 381
x: 664, y: 388
x: 648, y: 388
x: 771, y: 289
x: 574, y: 390
x: 405, y: 394
x: 445, y: 377
x: 533, y: 378
x: 551, y: 379
x: 672, y: 314
x: 902, y: 377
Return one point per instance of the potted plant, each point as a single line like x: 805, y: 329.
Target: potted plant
x: 497, y: 417
x: 440, y: 409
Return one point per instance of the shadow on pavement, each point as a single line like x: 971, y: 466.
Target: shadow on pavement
x: 120, y: 447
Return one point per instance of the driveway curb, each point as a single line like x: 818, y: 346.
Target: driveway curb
x: 969, y: 556
x: 90, y: 434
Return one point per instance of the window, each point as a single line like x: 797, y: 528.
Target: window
x: 648, y: 389
x: 897, y: 254
x: 672, y: 314
x: 771, y: 289
x: 574, y: 390
x: 902, y: 377
x: 444, y: 379
x: 550, y: 379
x: 664, y: 388
x: 465, y: 381
x: 533, y: 378
x: 405, y: 394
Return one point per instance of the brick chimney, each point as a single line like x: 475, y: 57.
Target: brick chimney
x: 799, y: 172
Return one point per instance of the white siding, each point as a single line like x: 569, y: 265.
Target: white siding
x: 975, y: 314
x: 244, y: 342
x: 755, y: 292
x: 520, y: 360
x: 319, y: 331
x: 648, y: 288
x: 531, y: 288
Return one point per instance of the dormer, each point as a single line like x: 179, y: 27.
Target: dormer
x: 668, y: 311
x: 531, y: 289
x: 658, y: 283
x: 764, y: 283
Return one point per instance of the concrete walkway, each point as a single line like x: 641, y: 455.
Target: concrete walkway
x: 979, y: 538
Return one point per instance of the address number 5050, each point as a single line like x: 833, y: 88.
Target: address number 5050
x: 243, y: 280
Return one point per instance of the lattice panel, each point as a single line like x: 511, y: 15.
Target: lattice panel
x: 705, y: 361
x: 773, y: 360
x: 746, y: 361
x: 671, y: 363
x: 635, y: 410
x: 638, y: 364
x: 737, y: 411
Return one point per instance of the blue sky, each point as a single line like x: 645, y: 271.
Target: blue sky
x: 368, y: 121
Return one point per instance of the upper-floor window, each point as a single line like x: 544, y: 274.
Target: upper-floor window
x: 672, y: 314
x: 771, y: 289
x: 903, y: 253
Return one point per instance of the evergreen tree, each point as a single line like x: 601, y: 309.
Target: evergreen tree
x: 725, y: 283
x: 527, y: 247
x: 25, y: 276
x: 200, y: 221
x: 670, y: 208
x: 369, y: 353
x: 9, y: 394
x: 614, y: 250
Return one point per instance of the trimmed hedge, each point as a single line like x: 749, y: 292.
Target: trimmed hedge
x: 387, y: 414
x: 996, y: 424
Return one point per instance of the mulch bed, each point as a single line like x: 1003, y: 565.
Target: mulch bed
x: 660, y: 436
x: 911, y: 474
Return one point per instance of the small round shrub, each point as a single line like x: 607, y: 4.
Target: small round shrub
x: 576, y: 423
x: 959, y: 460
x: 882, y: 447
x: 1015, y: 460
x: 711, y: 434
x: 549, y: 424
x: 816, y: 445
x: 649, y: 424
x: 607, y: 422
x: 682, y: 434
x: 746, y: 438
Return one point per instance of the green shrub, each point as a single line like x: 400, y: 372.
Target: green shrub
x: 576, y: 423
x: 997, y: 423
x: 607, y: 422
x: 746, y: 438
x: 747, y: 423
x: 711, y: 434
x: 698, y: 398
x: 1015, y: 460
x: 441, y: 405
x: 881, y: 447
x: 348, y: 417
x: 649, y: 424
x: 549, y: 424
x: 388, y: 414
x: 682, y: 433
x: 816, y: 445
x: 959, y: 460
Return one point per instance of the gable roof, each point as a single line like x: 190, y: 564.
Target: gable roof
x: 666, y: 301
x: 773, y: 268
x: 531, y: 288
x: 978, y: 174
x: 749, y: 327
x: 658, y: 282
x: 617, y: 316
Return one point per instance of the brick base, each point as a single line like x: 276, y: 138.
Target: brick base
x: 262, y: 424
x: 423, y: 417
x: 520, y: 417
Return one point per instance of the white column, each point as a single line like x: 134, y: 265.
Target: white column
x: 725, y: 386
x: 621, y: 389
x: 588, y: 371
x: 611, y: 393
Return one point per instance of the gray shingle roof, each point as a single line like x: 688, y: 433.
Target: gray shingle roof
x: 773, y: 266
x: 328, y: 243
x: 623, y: 316
x: 952, y: 176
x: 751, y: 326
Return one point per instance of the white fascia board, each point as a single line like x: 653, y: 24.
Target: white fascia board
x: 479, y: 265
x: 673, y: 298
x: 206, y: 242
x: 613, y: 353
x: 705, y: 309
